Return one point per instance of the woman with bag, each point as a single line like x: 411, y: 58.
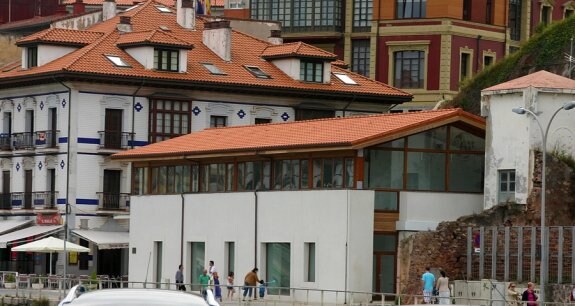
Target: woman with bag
x: 529, y: 295
x: 512, y: 295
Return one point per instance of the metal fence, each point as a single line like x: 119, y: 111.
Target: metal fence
x: 514, y: 253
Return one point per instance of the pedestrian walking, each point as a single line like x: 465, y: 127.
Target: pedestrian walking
x: 250, y: 282
x: 180, y: 278
x: 427, y: 282
x: 217, y: 289
x: 204, y: 283
x: 230, y: 285
x: 529, y: 295
x: 512, y: 295
x: 442, y: 286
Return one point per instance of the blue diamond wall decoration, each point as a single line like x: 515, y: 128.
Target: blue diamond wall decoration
x: 241, y: 114
x: 196, y: 110
x: 285, y: 116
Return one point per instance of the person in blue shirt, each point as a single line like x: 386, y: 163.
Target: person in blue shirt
x: 427, y: 281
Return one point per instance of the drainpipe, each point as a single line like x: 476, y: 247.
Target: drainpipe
x: 256, y: 228
x: 478, y: 57
x: 67, y: 207
x: 133, y: 112
x: 182, y: 232
x: 347, y: 105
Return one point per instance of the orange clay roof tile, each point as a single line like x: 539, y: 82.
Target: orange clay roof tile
x: 159, y: 37
x: 296, y: 49
x: 90, y: 60
x: 121, y: 2
x: 539, y: 79
x: 334, y: 132
x: 61, y: 36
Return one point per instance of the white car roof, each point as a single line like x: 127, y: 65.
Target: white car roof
x: 127, y: 296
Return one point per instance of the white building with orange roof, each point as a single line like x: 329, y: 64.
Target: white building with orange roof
x: 150, y: 74
x: 513, y: 139
x: 317, y: 204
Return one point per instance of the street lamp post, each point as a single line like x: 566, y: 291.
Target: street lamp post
x: 544, y: 133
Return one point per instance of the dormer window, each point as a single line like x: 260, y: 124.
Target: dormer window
x: 32, y: 57
x: 166, y: 59
x: 311, y: 71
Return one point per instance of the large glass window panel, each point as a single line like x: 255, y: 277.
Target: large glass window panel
x: 430, y: 139
x: 362, y: 12
x: 328, y: 173
x: 155, y: 177
x: 464, y: 141
x: 386, y: 200
x: 195, y: 178
x: 304, y: 174
x: 410, y: 9
x: 337, y: 173
x: 229, y: 177
x: 384, y: 243
x: 278, y: 263
x: 425, y: 171
x: 466, y: 172
x: 171, y: 176
x: 395, y: 144
x: 197, y: 263
x: 162, y: 181
x: 309, y: 267
x: 317, y: 170
x: 385, y: 169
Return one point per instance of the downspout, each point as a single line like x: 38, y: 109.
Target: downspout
x: 347, y: 105
x: 256, y: 227
x: 182, y: 231
x: 478, y: 57
x: 134, y: 114
x: 346, y: 249
x: 67, y: 207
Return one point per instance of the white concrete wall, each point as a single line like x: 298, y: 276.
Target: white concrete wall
x: 290, y: 66
x: 510, y: 138
x: 423, y: 211
x: 48, y: 53
x: 334, y: 220
x: 145, y: 56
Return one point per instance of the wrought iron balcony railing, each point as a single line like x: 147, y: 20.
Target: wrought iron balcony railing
x: 46, y: 139
x: 5, y: 142
x: 45, y: 199
x: 23, y: 141
x: 113, y: 201
x: 22, y: 200
x: 115, y: 140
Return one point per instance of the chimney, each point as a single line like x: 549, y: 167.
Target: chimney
x: 275, y: 37
x: 108, y: 9
x: 124, y: 25
x: 78, y: 7
x: 186, y: 14
x: 217, y: 36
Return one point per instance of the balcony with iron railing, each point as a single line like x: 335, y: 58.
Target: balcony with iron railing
x: 117, y: 202
x: 45, y: 199
x: 23, y: 141
x: 115, y: 140
x: 46, y: 139
x: 38, y: 200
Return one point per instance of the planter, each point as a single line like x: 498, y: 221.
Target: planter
x: 37, y: 285
x: 10, y: 285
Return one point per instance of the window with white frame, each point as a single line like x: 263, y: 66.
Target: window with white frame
x: 506, y: 186
x: 311, y: 71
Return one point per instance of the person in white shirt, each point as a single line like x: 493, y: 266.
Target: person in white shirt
x: 212, y: 268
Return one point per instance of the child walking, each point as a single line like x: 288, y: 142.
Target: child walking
x: 230, y: 285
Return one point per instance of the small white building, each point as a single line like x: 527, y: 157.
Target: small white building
x: 511, y: 139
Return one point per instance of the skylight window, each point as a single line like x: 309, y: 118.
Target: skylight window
x: 165, y: 28
x: 118, y: 61
x: 163, y: 9
x: 345, y: 78
x: 213, y: 68
x: 132, y: 7
x: 257, y: 72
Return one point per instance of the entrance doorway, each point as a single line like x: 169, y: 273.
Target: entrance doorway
x: 384, y: 264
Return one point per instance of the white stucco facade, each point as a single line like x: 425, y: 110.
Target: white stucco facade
x: 339, y: 222
x: 511, y: 138
x: 423, y: 211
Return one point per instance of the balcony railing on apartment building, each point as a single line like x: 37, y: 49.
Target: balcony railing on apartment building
x: 316, y: 28
x: 113, y: 201
x: 29, y: 140
x: 115, y: 140
x: 38, y: 200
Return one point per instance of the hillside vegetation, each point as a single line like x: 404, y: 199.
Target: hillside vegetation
x: 546, y: 50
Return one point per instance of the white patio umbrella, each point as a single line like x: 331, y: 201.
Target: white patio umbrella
x: 50, y: 245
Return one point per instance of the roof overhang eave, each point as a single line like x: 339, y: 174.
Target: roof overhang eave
x: 243, y: 88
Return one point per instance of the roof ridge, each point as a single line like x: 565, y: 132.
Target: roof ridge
x: 339, y: 118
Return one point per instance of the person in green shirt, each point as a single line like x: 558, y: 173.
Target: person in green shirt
x: 204, y: 282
